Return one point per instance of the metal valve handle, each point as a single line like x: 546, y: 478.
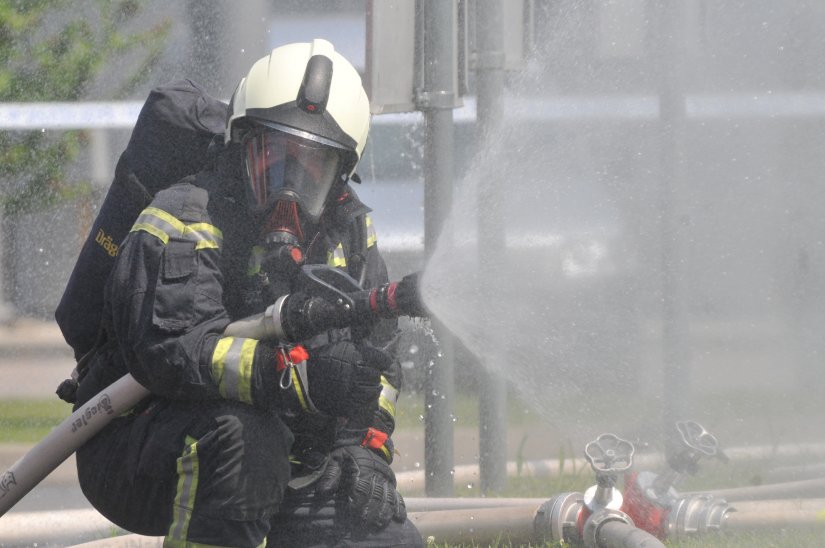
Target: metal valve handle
x: 609, y: 454
x: 695, y: 442
x: 697, y: 438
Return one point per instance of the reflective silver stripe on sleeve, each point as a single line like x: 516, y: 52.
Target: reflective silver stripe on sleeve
x: 163, y: 226
x: 389, y: 396
x: 158, y: 223
x: 232, y: 362
x: 372, y: 238
x: 204, y: 235
x: 301, y: 370
x: 336, y: 257
x: 188, y: 469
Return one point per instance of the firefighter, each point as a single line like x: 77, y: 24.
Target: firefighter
x: 244, y: 442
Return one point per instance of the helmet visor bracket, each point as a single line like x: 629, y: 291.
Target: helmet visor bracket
x: 280, y: 164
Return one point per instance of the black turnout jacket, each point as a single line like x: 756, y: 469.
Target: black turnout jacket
x: 183, y: 274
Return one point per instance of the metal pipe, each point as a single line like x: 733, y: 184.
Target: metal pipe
x: 795, y: 473
x: 126, y: 541
x: 790, y: 505
x: 772, y: 519
x: 54, y: 528
x: 480, y: 525
x: 426, y: 504
x: 787, y: 490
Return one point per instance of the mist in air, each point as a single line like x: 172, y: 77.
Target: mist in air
x: 650, y: 220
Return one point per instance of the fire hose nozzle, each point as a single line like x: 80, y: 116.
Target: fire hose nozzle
x: 329, y: 299
x: 391, y: 300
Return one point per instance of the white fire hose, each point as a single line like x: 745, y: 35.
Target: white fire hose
x: 67, y: 437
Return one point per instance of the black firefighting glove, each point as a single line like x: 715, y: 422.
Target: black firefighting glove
x: 334, y: 380
x: 363, y: 485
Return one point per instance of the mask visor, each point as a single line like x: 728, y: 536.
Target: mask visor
x: 279, y: 163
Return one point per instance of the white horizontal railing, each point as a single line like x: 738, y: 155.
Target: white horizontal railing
x: 756, y: 105
x: 63, y: 116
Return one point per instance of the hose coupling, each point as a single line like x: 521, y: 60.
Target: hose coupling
x: 594, y: 523
x: 556, y: 519
x: 697, y: 514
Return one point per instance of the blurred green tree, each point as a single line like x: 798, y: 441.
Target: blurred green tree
x: 52, y: 50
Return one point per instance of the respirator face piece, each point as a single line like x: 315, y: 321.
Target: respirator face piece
x: 279, y: 164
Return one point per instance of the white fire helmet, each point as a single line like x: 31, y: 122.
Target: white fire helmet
x: 302, y: 117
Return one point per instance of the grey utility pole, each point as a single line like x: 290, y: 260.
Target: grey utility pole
x: 488, y: 61
x: 672, y: 110
x: 436, y: 98
x: 412, y: 64
x: 7, y: 311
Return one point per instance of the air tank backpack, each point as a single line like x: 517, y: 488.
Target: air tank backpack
x: 169, y: 141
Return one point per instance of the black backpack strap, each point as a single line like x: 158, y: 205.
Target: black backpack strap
x: 67, y: 390
x: 348, y: 218
x: 359, y: 238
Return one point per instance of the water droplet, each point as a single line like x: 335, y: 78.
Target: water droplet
x: 470, y: 486
x: 417, y: 465
x: 421, y: 417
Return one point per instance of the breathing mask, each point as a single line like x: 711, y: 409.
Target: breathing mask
x: 289, y: 175
x: 293, y: 165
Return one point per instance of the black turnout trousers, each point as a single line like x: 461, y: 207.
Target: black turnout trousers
x: 212, y: 473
